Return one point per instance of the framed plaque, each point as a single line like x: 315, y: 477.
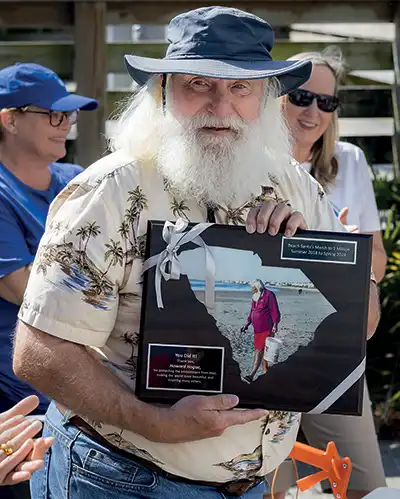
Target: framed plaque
x: 280, y: 322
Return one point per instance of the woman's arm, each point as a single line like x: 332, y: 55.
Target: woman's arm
x: 379, y: 257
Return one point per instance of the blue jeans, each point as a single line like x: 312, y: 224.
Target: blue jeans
x: 78, y: 467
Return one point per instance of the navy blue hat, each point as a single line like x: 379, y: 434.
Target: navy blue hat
x: 28, y: 84
x: 220, y: 42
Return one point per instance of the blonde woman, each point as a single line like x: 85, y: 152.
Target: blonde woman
x: 341, y: 168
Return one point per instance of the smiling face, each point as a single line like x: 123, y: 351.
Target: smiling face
x: 308, y: 124
x: 195, y: 96
x: 35, y: 135
x: 213, y: 138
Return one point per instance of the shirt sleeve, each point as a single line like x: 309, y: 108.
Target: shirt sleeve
x: 276, y: 315
x: 73, y: 290
x: 309, y: 198
x: 369, y: 216
x: 322, y: 216
x: 14, y: 252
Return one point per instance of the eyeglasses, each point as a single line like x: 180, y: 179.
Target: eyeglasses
x: 56, y: 118
x: 304, y: 98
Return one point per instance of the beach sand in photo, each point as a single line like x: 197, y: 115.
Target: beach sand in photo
x: 301, y: 313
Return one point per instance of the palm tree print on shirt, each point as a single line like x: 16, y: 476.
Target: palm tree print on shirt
x: 244, y: 466
x: 90, y: 229
x: 81, y: 272
x: 286, y: 422
x: 117, y: 440
x: 129, y: 367
x: 236, y: 216
x: 179, y: 208
x: 114, y: 253
x: 128, y: 229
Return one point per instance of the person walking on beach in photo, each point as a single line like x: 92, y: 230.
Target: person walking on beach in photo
x: 264, y: 316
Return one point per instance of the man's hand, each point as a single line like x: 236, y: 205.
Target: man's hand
x: 270, y: 215
x: 274, y: 330
x: 197, y: 417
x: 343, y: 219
x: 16, y: 433
x: 244, y: 328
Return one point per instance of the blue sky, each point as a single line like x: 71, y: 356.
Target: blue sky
x: 236, y: 265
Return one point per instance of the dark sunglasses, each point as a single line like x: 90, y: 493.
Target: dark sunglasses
x: 304, y: 98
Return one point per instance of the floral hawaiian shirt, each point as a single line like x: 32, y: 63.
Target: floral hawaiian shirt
x: 90, y: 262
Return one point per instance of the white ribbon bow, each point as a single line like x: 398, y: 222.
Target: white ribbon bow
x: 167, y: 262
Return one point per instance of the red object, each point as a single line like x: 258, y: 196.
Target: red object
x: 264, y: 312
x: 259, y: 339
x: 333, y: 468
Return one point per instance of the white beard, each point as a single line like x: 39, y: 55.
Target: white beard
x: 217, y: 170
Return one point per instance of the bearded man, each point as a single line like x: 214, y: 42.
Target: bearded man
x: 204, y: 139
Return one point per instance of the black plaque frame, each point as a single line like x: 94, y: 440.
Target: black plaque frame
x: 308, y: 376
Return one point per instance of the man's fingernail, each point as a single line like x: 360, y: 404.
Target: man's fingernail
x: 288, y: 233
x: 261, y: 228
x: 272, y: 231
x: 251, y: 228
x: 233, y: 399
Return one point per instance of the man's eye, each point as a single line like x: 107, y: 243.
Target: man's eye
x: 242, y: 86
x: 200, y: 83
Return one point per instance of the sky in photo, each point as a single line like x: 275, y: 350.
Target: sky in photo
x: 236, y: 265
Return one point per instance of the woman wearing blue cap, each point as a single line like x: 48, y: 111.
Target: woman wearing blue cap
x: 36, y: 115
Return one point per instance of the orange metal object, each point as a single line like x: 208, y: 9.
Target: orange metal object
x: 333, y: 468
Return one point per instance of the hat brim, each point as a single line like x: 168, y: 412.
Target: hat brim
x: 69, y: 103
x: 291, y: 74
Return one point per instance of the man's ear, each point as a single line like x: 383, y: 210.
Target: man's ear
x: 7, y: 120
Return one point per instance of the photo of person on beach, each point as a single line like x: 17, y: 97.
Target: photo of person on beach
x: 266, y: 312
x: 264, y: 316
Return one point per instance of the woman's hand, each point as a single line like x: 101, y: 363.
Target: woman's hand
x: 20, y: 454
x: 344, y: 213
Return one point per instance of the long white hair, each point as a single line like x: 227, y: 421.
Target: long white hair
x: 258, y: 284
x: 143, y: 131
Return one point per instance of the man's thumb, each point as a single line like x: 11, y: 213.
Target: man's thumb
x: 343, y: 215
x: 222, y: 402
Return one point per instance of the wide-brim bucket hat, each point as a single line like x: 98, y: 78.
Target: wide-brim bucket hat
x: 220, y: 42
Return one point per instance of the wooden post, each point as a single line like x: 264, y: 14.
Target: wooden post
x: 396, y: 95
x: 90, y: 74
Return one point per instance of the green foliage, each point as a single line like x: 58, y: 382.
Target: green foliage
x: 384, y: 348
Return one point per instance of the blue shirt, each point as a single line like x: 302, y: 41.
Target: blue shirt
x: 23, y: 213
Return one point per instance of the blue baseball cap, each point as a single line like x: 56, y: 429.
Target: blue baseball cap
x: 28, y: 84
x: 220, y: 42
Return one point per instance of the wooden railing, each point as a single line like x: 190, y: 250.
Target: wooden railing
x: 86, y: 58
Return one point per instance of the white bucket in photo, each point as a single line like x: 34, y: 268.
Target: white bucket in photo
x: 271, y: 350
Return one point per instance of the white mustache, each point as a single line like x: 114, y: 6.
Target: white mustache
x: 205, y: 121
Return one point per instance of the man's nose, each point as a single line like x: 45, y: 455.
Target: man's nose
x: 221, y: 104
